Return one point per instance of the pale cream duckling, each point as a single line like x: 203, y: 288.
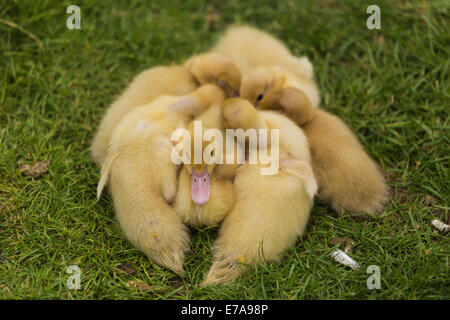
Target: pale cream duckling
x: 270, y: 211
x: 205, y: 189
x: 272, y: 88
x: 142, y: 176
x: 272, y: 78
x: 249, y: 48
x: 349, y: 180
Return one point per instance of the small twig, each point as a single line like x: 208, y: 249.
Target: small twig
x: 28, y: 33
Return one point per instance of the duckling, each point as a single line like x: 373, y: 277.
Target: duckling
x: 175, y: 80
x: 205, y: 189
x: 349, y: 179
x: 273, y: 79
x: 270, y: 211
x: 142, y: 176
x: 272, y: 88
x: 249, y: 47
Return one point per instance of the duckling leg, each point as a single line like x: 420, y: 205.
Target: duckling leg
x: 270, y: 213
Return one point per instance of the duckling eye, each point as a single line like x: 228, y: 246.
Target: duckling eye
x: 212, y: 153
x: 260, y: 96
x: 222, y: 83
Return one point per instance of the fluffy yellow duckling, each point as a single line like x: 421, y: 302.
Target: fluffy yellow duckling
x: 142, y: 176
x: 267, y: 66
x: 349, y: 179
x: 270, y: 211
x: 205, y: 189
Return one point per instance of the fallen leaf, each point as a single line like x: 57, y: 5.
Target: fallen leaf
x: 178, y: 284
x: 347, y: 242
x: 127, y: 267
x: 379, y: 39
x: 337, y: 241
x: 430, y: 200
x: 140, y: 285
x: 36, y: 170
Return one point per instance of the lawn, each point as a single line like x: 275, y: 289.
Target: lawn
x: 391, y: 86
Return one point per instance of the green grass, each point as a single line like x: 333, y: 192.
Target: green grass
x: 390, y: 85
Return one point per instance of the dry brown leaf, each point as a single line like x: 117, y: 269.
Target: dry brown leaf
x: 176, y: 284
x: 337, y: 241
x: 140, y: 285
x: 430, y: 200
x: 348, y: 243
x: 379, y: 39
x: 127, y: 267
x: 36, y: 170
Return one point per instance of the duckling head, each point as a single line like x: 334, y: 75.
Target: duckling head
x: 216, y: 69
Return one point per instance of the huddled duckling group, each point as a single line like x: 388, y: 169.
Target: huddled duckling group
x: 248, y: 80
